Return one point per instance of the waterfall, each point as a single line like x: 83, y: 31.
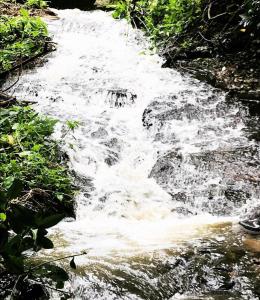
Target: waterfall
x: 162, y: 160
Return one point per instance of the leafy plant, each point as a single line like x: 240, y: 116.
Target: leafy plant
x: 36, y: 4
x: 36, y: 190
x: 20, y: 38
x: 160, y: 18
x: 35, y: 187
x: 121, y: 10
x: 72, y: 124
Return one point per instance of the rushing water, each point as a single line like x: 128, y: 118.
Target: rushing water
x: 164, y: 164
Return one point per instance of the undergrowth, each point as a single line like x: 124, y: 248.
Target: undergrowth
x: 35, y: 192
x: 160, y: 18
x: 188, y: 23
x: 41, y: 4
x: 21, y: 37
x: 28, y: 155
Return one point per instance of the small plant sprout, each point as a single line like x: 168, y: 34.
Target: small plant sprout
x: 72, y: 125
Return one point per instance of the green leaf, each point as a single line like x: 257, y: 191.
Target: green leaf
x: 24, y: 13
x: 12, y: 247
x: 2, y: 217
x: 41, y: 232
x: 60, y: 285
x: 60, y: 197
x: 20, y: 218
x: 37, y: 147
x: 27, y: 243
x: 9, y: 181
x: 72, y: 124
x: 25, y: 153
x: 45, y: 243
x: 15, y: 189
x: 3, y: 200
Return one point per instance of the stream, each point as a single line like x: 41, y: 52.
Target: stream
x: 165, y: 164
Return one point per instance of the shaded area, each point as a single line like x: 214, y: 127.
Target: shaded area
x: 216, y: 41
x: 67, y: 4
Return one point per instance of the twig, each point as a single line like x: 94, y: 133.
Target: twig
x: 219, y: 15
x: 209, y: 8
x: 57, y: 259
x: 205, y: 38
x: 12, y: 85
x: 26, y: 61
x: 14, y: 288
x: 17, y: 80
x: 212, y: 18
x: 187, y: 69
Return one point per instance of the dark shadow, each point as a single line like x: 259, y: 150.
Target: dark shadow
x: 70, y: 4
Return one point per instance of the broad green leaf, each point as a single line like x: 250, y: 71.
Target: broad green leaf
x: 2, y: 217
x: 15, y: 189
x: 45, y: 243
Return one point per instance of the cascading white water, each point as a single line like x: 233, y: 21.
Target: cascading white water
x: 156, y: 152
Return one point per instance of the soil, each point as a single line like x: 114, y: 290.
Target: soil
x: 239, y: 75
x: 13, y: 9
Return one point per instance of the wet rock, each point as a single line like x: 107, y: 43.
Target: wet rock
x: 219, y: 206
x: 160, y: 112
x: 55, y: 98
x: 183, y: 211
x: 251, y: 213
x: 112, y: 158
x: 236, y: 195
x: 165, y: 138
x: 99, y: 134
x: 213, y: 269
x: 165, y: 167
x: 84, y: 182
x: 112, y: 143
x: 230, y: 160
x: 121, y: 97
x: 157, y: 112
x: 210, y: 179
x: 181, y: 196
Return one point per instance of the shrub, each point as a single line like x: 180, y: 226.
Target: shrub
x: 35, y: 188
x: 20, y: 38
x: 161, y: 18
x: 41, y: 4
